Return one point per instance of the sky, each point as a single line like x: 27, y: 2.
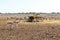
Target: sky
x: 16, y: 6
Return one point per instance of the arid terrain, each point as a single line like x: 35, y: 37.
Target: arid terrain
x: 18, y: 29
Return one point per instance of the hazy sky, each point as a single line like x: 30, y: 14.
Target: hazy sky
x: 29, y: 6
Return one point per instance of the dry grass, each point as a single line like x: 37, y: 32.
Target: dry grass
x: 46, y: 30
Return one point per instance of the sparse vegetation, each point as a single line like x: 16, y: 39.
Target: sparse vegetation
x: 17, y: 28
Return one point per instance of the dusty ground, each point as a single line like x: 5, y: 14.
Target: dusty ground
x: 47, y: 30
